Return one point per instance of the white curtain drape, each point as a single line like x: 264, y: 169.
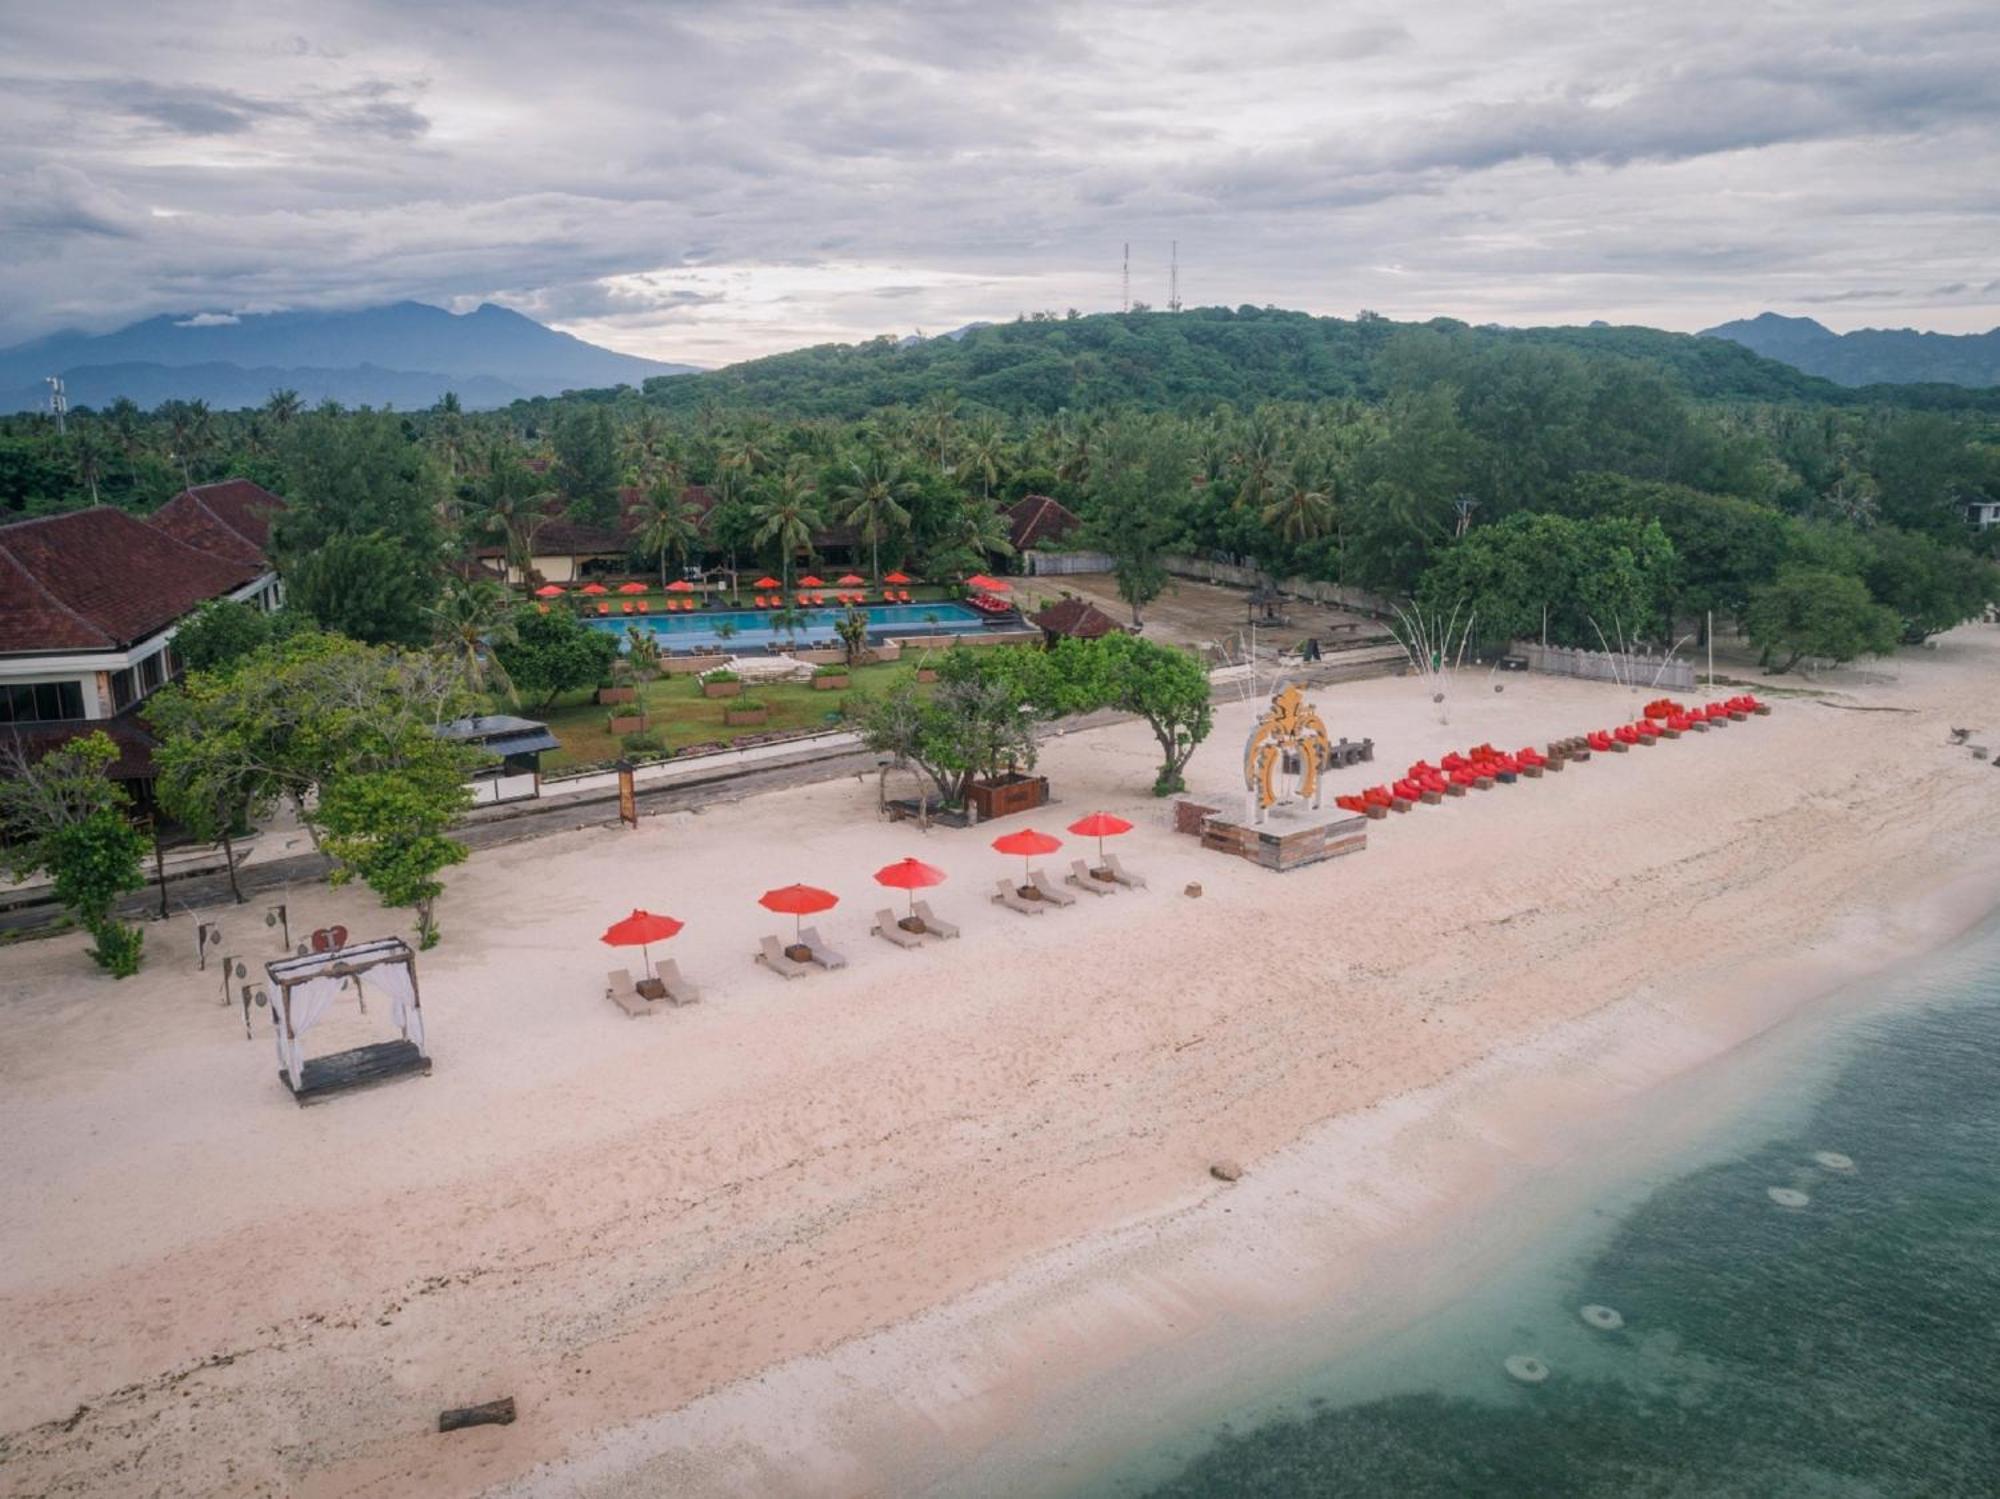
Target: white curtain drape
x: 309, y: 1003
x: 395, y: 980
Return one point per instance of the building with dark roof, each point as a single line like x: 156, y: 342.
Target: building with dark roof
x: 1072, y: 618
x: 1037, y: 520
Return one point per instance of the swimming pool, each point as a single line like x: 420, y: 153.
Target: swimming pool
x: 753, y: 627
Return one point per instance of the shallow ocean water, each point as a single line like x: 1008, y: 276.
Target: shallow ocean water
x: 1848, y: 1345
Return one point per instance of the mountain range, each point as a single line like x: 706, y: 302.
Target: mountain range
x: 405, y: 354
x: 1869, y: 356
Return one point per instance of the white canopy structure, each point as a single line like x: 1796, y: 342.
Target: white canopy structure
x: 304, y: 989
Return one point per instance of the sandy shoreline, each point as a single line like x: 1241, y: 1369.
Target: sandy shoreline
x: 1004, y: 1139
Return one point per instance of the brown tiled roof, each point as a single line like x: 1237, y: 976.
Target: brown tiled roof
x: 134, y: 740
x: 101, y: 579
x: 559, y: 536
x: 231, y: 519
x: 1036, y: 518
x: 1076, y: 618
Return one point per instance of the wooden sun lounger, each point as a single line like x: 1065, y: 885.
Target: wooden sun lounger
x: 931, y: 922
x: 679, y: 990
x: 1005, y: 893
x: 771, y: 953
x: 1123, y: 875
x: 619, y: 990
x: 1051, y: 891
x: 886, y: 928
x: 1080, y: 876
x: 823, y: 955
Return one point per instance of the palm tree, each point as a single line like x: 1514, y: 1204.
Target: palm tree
x: 669, y: 526
x: 985, y: 455
x: 787, y: 516
x: 283, y: 407
x: 448, y: 432
x: 511, y: 504
x: 872, y: 501
x: 1300, y: 513
x: 467, y: 622
x: 89, y: 455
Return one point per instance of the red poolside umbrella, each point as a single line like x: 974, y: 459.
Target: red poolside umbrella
x: 1027, y: 843
x: 979, y: 580
x: 1100, y: 825
x: 911, y: 875
x: 896, y: 578
x: 548, y: 591
x: 631, y: 587
x: 767, y: 583
x: 848, y: 580
x: 798, y: 901
x: 680, y: 585
x: 809, y: 581
x: 593, y: 588
x: 641, y: 929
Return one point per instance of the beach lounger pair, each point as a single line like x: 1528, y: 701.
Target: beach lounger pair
x: 771, y: 953
x: 1050, y: 893
x: 1084, y: 878
x: 890, y: 929
x: 621, y: 991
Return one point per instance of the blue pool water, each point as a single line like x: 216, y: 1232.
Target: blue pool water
x: 753, y: 627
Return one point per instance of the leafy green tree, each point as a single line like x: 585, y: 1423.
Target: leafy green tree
x: 64, y: 817
x: 508, y: 503
x: 212, y: 776
x: 586, y: 470
x: 1812, y: 612
x: 1136, y: 504
x: 391, y: 828
x: 1166, y: 686
x: 1723, y: 546
x: 852, y: 627
x: 222, y: 632
x: 554, y: 653
x: 362, y: 587
x: 1599, y: 580
x: 468, y: 622
x: 1930, y: 586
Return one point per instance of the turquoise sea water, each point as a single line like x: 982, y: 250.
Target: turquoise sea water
x: 1845, y: 1347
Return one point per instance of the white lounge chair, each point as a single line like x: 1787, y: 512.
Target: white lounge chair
x: 619, y: 990
x: 886, y: 928
x: 1049, y: 890
x: 1080, y: 876
x: 771, y: 954
x: 931, y: 923
x: 679, y: 990
x: 1123, y: 875
x: 823, y: 955
x: 1005, y: 893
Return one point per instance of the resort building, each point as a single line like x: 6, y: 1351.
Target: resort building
x: 89, y: 601
x: 1982, y: 513
x: 1072, y: 618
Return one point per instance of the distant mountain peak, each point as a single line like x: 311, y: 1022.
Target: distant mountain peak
x: 1869, y: 356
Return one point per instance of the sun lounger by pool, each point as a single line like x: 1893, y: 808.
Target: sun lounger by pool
x: 1123, y: 875
x: 823, y: 955
x: 679, y: 990
x: 886, y: 928
x: 771, y: 953
x: 619, y: 990
x: 1050, y: 890
x: 1005, y: 893
x: 931, y: 923
x: 1081, y: 877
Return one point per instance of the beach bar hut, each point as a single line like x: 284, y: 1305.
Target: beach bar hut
x: 304, y: 989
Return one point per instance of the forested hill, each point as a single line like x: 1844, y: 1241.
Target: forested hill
x: 1869, y: 355
x: 1206, y: 357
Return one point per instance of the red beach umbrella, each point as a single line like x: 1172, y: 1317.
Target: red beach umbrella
x: 593, y: 588
x: 809, y: 581
x: 631, y: 587
x: 1027, y: 843
x: 911, y: 875
x: 895, y: 578
x: 641, y: 929
x: 680, y: 585
x: 848, y: 580
x: 1100, y: 825
x: 767, y: 583
x: 798, y: 901
x: 548, y: 591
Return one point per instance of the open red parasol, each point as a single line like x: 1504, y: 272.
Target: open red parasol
x: 680, y: 585
x: 898, y: 578
x: 631, y: 587
x: 1100, y: 825
x: 849, y: 580
x: 911, y: 875
x: 767, y: 583
x: 798, y: 901
x: 593, y: 588
x: 548, y: 591
x: 641, y: 929
x: 1027, y: 843
x: 810, y: 581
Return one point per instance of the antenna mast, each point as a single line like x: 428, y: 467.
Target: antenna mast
x: 1174, y: 280
x: 58, y: 402
x: 1125, y: 291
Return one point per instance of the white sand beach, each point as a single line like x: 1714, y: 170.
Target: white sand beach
x: 842, y: 1235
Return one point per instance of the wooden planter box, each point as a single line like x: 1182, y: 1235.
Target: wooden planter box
x: 1007, y: 795
x: 722, y: 689
x: 606, y: 696
x: 831, y: 684
x: 745, y: 718
x: 629, y: 723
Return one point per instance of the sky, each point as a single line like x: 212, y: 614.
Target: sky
x: 706, y: 182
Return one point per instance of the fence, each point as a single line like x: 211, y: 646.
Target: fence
x: 1641, y: 669
x: 1061, y: 564
x: 1333, y: 595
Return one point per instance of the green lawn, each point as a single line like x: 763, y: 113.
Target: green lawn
x: 681, y: 716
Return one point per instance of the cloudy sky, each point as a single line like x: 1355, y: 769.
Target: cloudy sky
x: 710, y: 181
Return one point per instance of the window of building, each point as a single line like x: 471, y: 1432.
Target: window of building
x: 41, y: 702
x: 124, y: 689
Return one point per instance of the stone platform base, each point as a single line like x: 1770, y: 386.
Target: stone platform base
x: 1288, y: 838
